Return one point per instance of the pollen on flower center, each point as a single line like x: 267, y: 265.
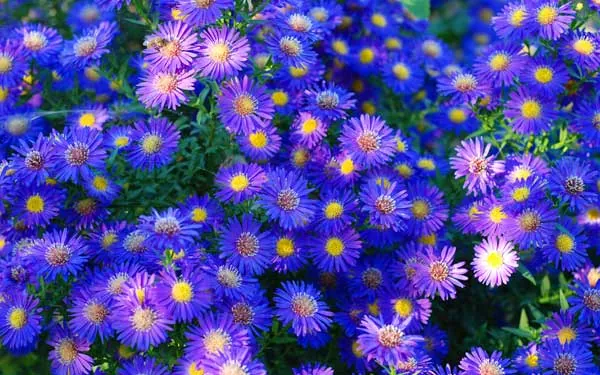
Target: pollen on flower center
x: 35, y: 204
x: 304, y: 305
x: 584, y: 47
x: 547, y: 15
x: 530, y: 221
x: 347, y: 166
x: 334, y: 246
x: 239, y: 182
x: 86, y: 206
x: 385, y: 204
x: 543, y: 74
x: 17, y: 125
x: 439, y: 271
x: 431, y: 48
x: 284, y: 247
x: 401, y: 71
x: 309, y: 126
x: 420, y: 209
x: 247, y: 244
x: 390, y: 336
x: 204, y: 4
x: 379, y: 20
x: 288, y: 200
x: 591, y: 299
x: 520, y: 194
x: 564, y: 243
x: 574, y: 185
x: 457, y: 115
x: 499, y: 62
x: 372, y: 278
x: 290, y: 46
x: 258, y: 139
x: 67, y: 351
x: 35, y: 40
x: 182, y: 292
x: 368, y: 141
x: 165, y: 83
x: 17, y: 318
x: 489, y: 367
x: 565, y: 364
x: 517, y: 17
x: 5, y: 64
x: 464, y: 82
x: 333, y: 210
x: 366, y: 56
x: 34, y: 160
x: 478, y: 165
x: 87, y: 120
x: 233, y: 367
x: 280, y: 98
x: 171, y: 49
x: 494, y: 259
x: 319, y: 13
x: 532, y: 360
x: 109, y: 239
x: 566, y: 335
x: 403, y: 307
x: 58, y: 254
x: 219, y: 52
x: 228, y: 277
x: 167, y: 225
x: 143, y: 319
x: 135, y: 243
x: 100, y: 183
x: 95, y: 312
x: 299, y: 22
x: 298, y: 72
x: 199, y: 215
x: 328, y: 100
x: 242, y: 313
x: 531, y: 109
x: 244, y: 105
x: 85, y: 46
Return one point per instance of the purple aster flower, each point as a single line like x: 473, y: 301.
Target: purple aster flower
x: 494, y: 262
x: 244, y: 106
x: 237, y: 361
x: 521, y: 194
x: 548, y: 19
x: 252, y: 313
x: 88, y: 47
x: 308, y: 130
x: 40, y: 42
x: 402, y: 304
x: 586, y: 303
x: 368, y: 140
x: 68, y: 356
x: 569, y: 359
x: 203, y: 210
x: 437, y: 273
x: 291, y: 50
x: 336, y: 252
x: 188, y: 366
x: 102, y: 187
x: 566, y: 329
x: 38, y: 205
x: 261, y: 143
x: 440, y: 370
x: 111, y: 281
x: 230, y: 283
x: 566, y: 246
x: 76, y: 152
x: 583, y: 48
x: 387, y: 344
x: 335, y: 210
x: 239, y: 182
x: 386, y: 205
x: 90, y: 116
x: 572, y: 180
x: 532, y: 225
x: 155, y: 142
x: 214, y: 335
x: 169, y: 229
x: 245, y: 246
x: 493, y: 219
x: 428, y: 211
x: 12, y: 63
x: 473, y: 160
x: 526, y: 359
x: 500, y: 64
x: 118, y: 137
x: 523, y: 167
x: 467, y: 215
x: 20, y: 124
x: 285, y: 198
x: 172, y: 47
x: 328, y: 101
x: 313, y: 369
x: 546, y: 75
x: 57, y: 253
x: 203, y: 12
x: 91, y: 315
x: 300, y: 304
x: 479, y: 362
x: 20, y: 321
x: 462, y: 87
x: 403, y: 75
x: 163, y: 89
x: 223, y: 53
x: 587, y: 121
x: 298, y: 79
x: 185, y: 296
x: 84, y: 14
x: 510, y: 22
x: 141, y: 365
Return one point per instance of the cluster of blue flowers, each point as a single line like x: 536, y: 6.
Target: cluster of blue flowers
x: 358, y: 174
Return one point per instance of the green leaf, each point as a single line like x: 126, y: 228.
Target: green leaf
x: 418, y: 8
x: 519, y: 332
x: 523, y: 321
x: 526, y: 274
x: 564, y: 305
x: 545, y: 286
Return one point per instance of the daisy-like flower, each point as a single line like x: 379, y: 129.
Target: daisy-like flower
x: 203, y: 12
x: 245, y: 246
x: 530, y: 112
x: 146, y: 366
x: 494, y: 262
x: 511, y: 21
x: 527, y: 359
x: 500, y: 64
x: 285, y: 198
x: 222, y: 53
x: 308, y: 130
x: 493, y: 219
x: 586, y: 303
x: 289, y: 251
x: 545, y: 75
x: 572, y: 180
x: 252, y: 313
x: 76, y: 152
x: 313, y: 369
x: 427, y: 209
x: 40, y: 42
x: 261, y: 143
x: 19, y: 125
x: 229, y: 282
x: 237, y: 361
x: 479, y: 362
x: 239, y: 182
x: 301, y: 305
x: 68, y: 356
x: 437, y: 273
x: 335, y: 210
x: 88, y: 47
x: 467, y: 215
x: 291, y: 50
x: 548, y: 19
x: 185, y: 296
x: 215, y: 334
x: 386, y: 343
x: 566, y: 246
x: 19, y: 321
x: 244, y: 106
x: 102, y: 187
x: 172, y: 47
x: 403, y: 305
x: 57, y: 253
x: 118, y: 137
x: 368, y: 140
x: 473, y: 161
x: 583, y: 48
x: 328, y: 101
x: 462, y: 87
x: 169, y: 229
x: 386, y: 205
x: 91, y: 315
x: 566, y: 329
x: 526, y: 166
x: 91, y: 116
x: 12, y: 63
x: 519, y: 195
x: 569, y: 359
x: 532, y: 225
x: 154, y: 143
x: 203, y: 210
x: 37, y: 206
x: 163, y: 89
x: 587, y: 121
x: 336, y: 252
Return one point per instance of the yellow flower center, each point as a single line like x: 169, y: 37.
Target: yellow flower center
x: 333, y: 210
x: 3, y: 94
x: 182, y: 292
x: 428, y: 239
x: 17, y: 318
x: 404, y: 170
x: 401, y: 71
x: 199, y: 215
x: 566, y: 335
x: 494, y: 260
x: 239, y: 182
x: 457, y: 115
x: 121, y: 141
x: 393, y: 43
x: 426, y: 164
x: 334, y: 246
x: 520, y: 194
x: 564, y: 243
x: 67, y: 351
x: 531, y: 109
x: 356, y: 350
x: 151, y: 144
x: 497, y: 215
x: 366, y: 56
x: 92, y: 73
x: 219, y: 52
x: 100, y: 183
x: 87, y: 120
x: 517, y: 17
x: 298, y: 72
x: 373, y: 308
x: 177, y: 14
x: 547, y: 15
x: 309, y: 126
x: 194, y: 370
x: 280, y: 98
x: 584, y: 47
x: 420, y: 209
x: 499, y: 62
x: 347, y: 166
x: 216, y: 341
x: 340, y: 47
x: 379, y: 20
x: 35, y: 204
x: 285, y: 247
x: 244, y: 105
x: 258, y: 139
x: 403, y: 307
x: 543, y: 74
x: 125, y: 352
x: 164, y: 83
x: 108, y: 240
x: 5, y: 64
x: 369, y: 108
x: 301, y: 157
x: 532, y: 360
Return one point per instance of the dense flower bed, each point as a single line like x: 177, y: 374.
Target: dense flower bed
x: 306, y: 187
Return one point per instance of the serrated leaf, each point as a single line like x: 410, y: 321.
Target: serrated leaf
x: 418, y: 8
x: 545, y: 286
x: 526, y: 274
x: 524, y: 320
x: 564, y: 305
x: 519, y: 332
